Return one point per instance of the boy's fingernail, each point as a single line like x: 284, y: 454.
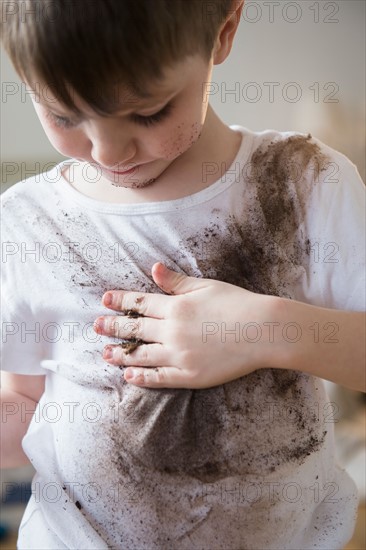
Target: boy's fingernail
x: 133, y: 374
x: 99, y: 325
x: 108, y: 352
x: 108, y: 299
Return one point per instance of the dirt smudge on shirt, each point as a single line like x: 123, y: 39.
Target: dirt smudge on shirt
x: 265, y: 252
x: 169, y: 431
x: 275, y: 167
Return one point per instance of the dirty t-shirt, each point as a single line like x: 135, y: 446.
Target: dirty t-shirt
x: 245, y: 465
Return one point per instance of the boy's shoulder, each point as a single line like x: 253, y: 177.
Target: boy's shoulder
x: 284, y: 150
x: 293, y: 160
x: 33, y: 190
x: 33, y: 185
x: 26, y: 204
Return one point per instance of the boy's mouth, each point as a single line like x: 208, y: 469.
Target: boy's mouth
x: 129, y: 171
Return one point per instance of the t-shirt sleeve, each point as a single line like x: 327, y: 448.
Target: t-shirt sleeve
x: 335, y: 275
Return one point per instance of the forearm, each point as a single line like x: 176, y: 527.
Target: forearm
x: 323, y: 342
x: 16, y: 414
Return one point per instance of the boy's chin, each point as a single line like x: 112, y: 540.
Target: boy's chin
x: 133, y: 185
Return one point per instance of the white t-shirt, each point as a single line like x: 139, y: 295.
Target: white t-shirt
x: 248, y: 464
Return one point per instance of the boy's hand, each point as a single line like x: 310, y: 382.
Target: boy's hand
x: 202, y: 335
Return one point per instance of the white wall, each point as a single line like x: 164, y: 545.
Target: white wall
x: 328, y: 55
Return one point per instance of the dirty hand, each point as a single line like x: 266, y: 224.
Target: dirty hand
x: 204, y: 333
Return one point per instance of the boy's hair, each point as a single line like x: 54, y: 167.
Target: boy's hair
x: 95, y: 46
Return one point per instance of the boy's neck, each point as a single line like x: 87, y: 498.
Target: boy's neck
x: 217, y: 145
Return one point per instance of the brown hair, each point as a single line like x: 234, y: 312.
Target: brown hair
x: 90, y: 46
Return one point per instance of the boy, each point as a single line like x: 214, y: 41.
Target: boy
x: 227, y: 445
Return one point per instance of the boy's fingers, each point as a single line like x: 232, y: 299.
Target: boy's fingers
x: 144, y: 355
x: 158, y: 377
x: 142, y: 328
x: 147, y: 304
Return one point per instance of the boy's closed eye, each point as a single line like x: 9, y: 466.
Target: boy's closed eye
x: 145, y: 120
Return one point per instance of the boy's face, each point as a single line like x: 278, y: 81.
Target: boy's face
x: 134, y: 146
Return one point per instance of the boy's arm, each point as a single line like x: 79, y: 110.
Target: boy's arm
x: 327, y: 343
x: 19, y: 397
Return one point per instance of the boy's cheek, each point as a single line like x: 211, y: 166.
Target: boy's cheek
x: 68, y: 144
x: 182, y: 137
x: 186, y: 129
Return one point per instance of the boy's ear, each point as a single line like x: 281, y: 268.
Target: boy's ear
x: 225, y: 37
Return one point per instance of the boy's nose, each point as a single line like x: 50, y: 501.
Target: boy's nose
x: 113, y: 153
x: 113, y: 159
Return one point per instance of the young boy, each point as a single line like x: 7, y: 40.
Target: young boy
x: 214, y: 432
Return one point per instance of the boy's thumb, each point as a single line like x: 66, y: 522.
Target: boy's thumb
x: 173, y: 282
